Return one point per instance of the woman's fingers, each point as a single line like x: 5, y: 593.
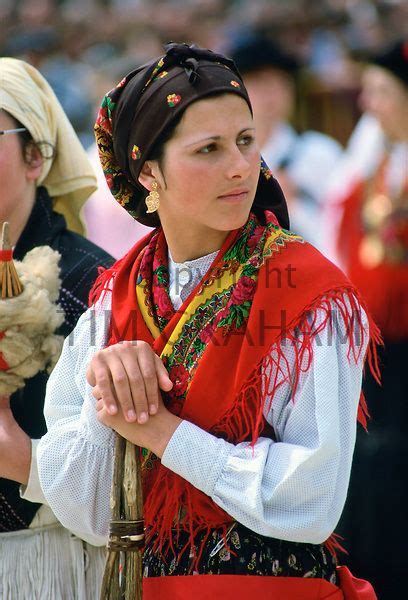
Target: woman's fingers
x: 101, y: 367
x: 163, y: 378
x: 137, y: 389
x: 147, y: 365
x: 90, y: 375
x: 124, y: 377
x: 129, y: 375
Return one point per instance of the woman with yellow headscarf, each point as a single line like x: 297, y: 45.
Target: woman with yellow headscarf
x: 45, y: 178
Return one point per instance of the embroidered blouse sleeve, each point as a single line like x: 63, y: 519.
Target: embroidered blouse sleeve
x: 294, y: 487
x: 75, y: 457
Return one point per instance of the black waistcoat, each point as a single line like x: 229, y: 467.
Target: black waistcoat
x: 79, y: 263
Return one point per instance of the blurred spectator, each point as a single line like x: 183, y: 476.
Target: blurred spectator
x: 370, y: 205
x: 301, y: 162
x: 101, y: 210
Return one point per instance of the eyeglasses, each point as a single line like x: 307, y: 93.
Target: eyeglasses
x: 6, y: 131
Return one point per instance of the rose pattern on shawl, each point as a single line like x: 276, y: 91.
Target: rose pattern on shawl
x: 254, y: 239
x: 147, y: 262
x: 206, y: 334
x: 244, y: 290
x: 163, y: 303
x: 239, y: 305
x: 179, y: 376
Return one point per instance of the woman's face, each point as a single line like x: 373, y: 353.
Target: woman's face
x: 386, y: 98
x: 210, y: 168
x: 17, y: 178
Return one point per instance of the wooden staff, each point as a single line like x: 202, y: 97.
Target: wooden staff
x: 10, y: 284
x: 123, y: 571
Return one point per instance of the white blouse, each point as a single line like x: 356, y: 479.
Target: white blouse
x: 291, y: 488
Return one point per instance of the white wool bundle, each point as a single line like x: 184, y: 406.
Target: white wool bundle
x: 28, y: 343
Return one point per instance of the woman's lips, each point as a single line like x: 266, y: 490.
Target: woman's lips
x: 234, y: 196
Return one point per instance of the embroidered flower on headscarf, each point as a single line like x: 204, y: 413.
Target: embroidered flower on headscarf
x: 266, y: 172
x: 235, y: 83
x: 161, y: 75
x: 109, y: 180
x: 173, y: 99
x: 102, y: 120
x: 136, y: 153
x: 121, y: 83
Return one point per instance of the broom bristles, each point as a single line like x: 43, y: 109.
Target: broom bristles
x: 10, y: 284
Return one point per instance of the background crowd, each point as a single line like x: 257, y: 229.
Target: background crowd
x: 81, y: 45
x: 303, y: 64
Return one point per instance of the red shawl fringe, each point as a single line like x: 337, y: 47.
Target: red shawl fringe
x: 244, y: 421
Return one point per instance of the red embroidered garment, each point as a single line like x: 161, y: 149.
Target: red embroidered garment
x: 373, y: 245
x: 215, y: 345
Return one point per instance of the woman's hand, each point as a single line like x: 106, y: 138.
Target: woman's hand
x: 129, y: 376
x: 15, y: 446
x: 154, y: 434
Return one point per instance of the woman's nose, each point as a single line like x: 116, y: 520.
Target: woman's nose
x: 239, y: 166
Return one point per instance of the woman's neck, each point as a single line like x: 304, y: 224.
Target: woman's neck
x: 19, y: 216
x: 188, y: 245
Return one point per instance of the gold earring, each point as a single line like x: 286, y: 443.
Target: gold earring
x: 153, y: 199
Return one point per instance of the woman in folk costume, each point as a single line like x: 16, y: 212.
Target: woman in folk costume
x: 372, y: 245
x: 44, y: 179
x: 242, y: 381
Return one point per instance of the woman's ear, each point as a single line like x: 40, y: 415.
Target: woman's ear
x: 151, y: 172
x: 34, y: 162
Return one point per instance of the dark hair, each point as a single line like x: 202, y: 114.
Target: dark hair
x: 157, y: 152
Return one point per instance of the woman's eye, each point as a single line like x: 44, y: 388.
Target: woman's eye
x: 246, y: 140
x: 207, y: 149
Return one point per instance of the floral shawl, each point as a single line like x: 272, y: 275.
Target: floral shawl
x: 216, y: 346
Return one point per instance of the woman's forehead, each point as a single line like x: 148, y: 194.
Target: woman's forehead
x: 6, y: 119
x: 227, y: 112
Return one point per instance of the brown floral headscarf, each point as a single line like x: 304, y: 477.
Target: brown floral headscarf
x: 139, y: 109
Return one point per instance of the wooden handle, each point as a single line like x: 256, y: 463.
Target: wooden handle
x: 5, y: 237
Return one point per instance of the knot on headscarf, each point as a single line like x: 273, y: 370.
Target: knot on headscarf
x: 188, y: 57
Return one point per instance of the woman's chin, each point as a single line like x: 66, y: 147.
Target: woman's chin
x: 235, y: 220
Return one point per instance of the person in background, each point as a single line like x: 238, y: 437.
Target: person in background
x: 301, y: 162
x: 369, y: 208
x: 101, y: 211
x: 45, y: 178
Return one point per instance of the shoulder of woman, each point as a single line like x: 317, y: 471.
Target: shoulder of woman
x: 80, y: 264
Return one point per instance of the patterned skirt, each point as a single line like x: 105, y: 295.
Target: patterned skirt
x: 245, y: 553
